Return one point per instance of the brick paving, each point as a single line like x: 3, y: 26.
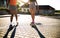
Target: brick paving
x: 47, y: 26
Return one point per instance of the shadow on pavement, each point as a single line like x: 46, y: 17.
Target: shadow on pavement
x: 9, y: 29
x: 13, y: 33
x: 38, y: 24
x: 41, y: 36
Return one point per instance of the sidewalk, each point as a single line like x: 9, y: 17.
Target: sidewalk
x: 45, y: 27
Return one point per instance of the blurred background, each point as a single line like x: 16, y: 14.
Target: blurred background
x: 46, y: 7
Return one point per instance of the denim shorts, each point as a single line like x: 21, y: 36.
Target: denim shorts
x: 12, y: 7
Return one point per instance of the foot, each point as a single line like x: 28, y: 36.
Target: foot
x: 10, y: 27
x: 17, y: 24
x: 32, y: 24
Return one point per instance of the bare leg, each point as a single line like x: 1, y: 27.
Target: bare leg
x: 16, y: 17
x: 32, y: 14
x: 11, y: 17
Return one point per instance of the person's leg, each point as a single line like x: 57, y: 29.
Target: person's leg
x: 15, y: 13
x: 16, y: 17
x: 12, y: 14
x: 32, y: 14
x: 11, y: 18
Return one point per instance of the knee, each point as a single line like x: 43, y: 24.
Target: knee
x: 16, y: 15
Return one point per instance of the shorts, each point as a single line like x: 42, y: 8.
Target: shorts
x: 12, y: 7
x: 32, y: 5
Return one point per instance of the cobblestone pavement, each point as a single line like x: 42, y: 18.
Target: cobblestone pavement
x: 48, y: 27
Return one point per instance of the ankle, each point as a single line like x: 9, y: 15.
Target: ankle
x: 33, y: 22
x: 10, y: 23
x: 16, y: 22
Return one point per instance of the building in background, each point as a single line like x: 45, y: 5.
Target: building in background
x: 2, y: 3
x: 45, y: 10
x: 41, y: 9
x: 24, y: 8
x: 3, y: 7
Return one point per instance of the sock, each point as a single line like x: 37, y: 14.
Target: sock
x: 10, y: 23
x: 16, y: 22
